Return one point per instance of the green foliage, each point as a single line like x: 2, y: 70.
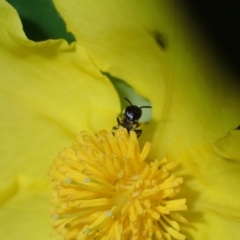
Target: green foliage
x: 41, y: 21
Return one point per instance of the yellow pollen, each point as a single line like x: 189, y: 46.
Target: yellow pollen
x: 106, y: 188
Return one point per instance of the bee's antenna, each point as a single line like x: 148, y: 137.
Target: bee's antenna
x: 145, y: 107
x: 128, y: 101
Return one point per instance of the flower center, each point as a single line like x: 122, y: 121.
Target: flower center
x: 104, y: 189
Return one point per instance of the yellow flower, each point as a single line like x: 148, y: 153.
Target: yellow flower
x: 196, y: 103
x: 105, y: 189
x: 50, y: 91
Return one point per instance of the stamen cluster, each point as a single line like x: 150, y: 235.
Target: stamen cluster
x: 105, y: 189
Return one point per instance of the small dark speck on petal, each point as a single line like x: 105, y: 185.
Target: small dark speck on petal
x: 160, y: 39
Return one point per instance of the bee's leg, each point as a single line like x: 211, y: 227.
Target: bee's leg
x: 137, y: 124
x: 138, y: 132
x: 114, y: 128
x: 119, y: 122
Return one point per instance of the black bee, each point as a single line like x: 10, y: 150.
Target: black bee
x: 129, y: 120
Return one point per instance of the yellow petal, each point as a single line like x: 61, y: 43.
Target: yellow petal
x: 25, y: 215
x: 193, y: 98
x: 212, y: 192
x: 228, y: 147
x: 49, y: 92
x: 119, y: 36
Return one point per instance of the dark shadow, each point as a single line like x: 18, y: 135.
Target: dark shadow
x: 219, y: 22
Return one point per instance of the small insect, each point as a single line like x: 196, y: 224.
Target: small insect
x: 129, y: 120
